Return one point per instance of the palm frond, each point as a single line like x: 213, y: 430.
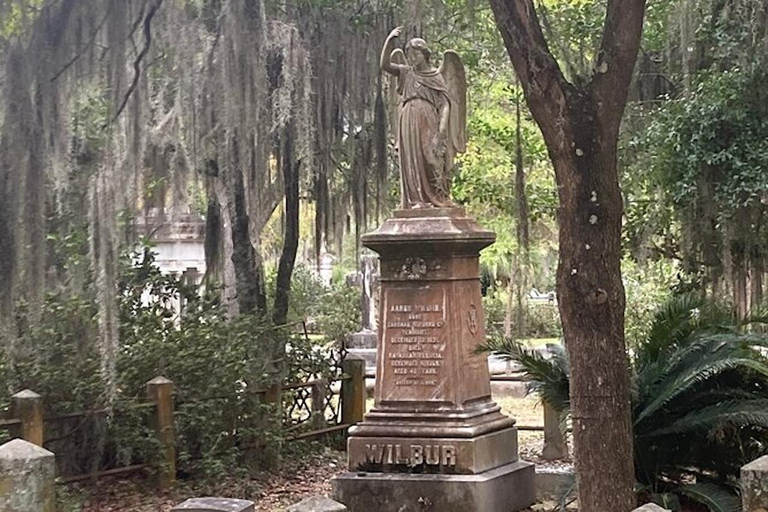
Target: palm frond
x: 737, y: 413
x: 546, y: 376
x: 672, y: 322
x: 698, y: 374
x: 715, y: 497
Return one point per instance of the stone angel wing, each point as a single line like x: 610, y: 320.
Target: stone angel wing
x: 455, y: 78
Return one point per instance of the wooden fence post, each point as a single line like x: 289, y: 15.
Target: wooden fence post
x: 27, y: 406
x: 555, y: 443
x: 160, y: 391
x: 353, y: 391
x: 318, y: 403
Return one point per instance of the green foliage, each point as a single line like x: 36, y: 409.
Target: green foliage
x: 700, y: 400
x: 547, y: 375
x: 166, y: 328
x: 645, y: 287
x: 720, y: 130
x: 540, y: 320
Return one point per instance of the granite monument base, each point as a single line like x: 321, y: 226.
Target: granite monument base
x: 508, y: 488
x: 463, y: 456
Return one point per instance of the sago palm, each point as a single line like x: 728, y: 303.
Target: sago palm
x: 700, y: 400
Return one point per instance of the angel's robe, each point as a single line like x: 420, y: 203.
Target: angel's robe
x: 425, y: 179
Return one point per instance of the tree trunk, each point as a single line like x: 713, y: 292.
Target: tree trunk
x: 591, y: 302
x: 580, y: 124
x: 290, y: 168
x: 522, y: 258
x: 249, y: 279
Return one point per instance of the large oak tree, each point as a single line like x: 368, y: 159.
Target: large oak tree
x: 580, y: 121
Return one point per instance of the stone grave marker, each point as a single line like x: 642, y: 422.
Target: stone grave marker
x: 317, y: 504
x: 27, y: 478
x: 362, y: 344
x: 754, y: 485
x: 434, y: 432
x: 215, y: 505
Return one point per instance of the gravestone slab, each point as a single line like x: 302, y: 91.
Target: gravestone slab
x: 27, y: 478
x: 754, y: 485
x: 215, y: 505
x: 317, y: 504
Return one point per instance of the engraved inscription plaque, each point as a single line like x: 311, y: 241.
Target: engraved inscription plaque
x: 413, y: 366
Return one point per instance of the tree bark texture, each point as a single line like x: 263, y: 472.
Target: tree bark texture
x: 247, y: 265
x: 290, y: 168
x: 580, y: 124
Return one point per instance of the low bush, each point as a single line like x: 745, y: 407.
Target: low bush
x: 700, y: 400
x: 170, y: 329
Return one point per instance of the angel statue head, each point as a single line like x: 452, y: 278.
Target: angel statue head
x: 432, y: 119
x: 417, y: 51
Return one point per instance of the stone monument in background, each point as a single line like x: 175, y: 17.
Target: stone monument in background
x: 434, y: 440
x: 362, y: 344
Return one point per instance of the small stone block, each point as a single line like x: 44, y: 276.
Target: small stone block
x: 650, y: 507
x: 215, y: 505
x: 317, y: 504
x: 754, y: 485
x: 27, y: 478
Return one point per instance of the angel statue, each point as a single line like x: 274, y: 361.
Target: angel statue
x: 432, y: 117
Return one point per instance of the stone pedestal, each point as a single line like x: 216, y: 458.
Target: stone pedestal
x: 434, y: 431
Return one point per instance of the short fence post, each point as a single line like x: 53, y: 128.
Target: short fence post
x: 555, y: 444
x: 353, y: 391
x: 160, y: 391
x: 27, y: 406
x: 318, y: 403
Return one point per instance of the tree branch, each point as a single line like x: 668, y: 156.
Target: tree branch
x: 539, y: 73
x: 616, y: 58
x: 137, y: 63
x: 82, y: 50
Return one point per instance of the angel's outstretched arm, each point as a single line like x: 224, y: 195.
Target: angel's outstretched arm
x: 386, y: 53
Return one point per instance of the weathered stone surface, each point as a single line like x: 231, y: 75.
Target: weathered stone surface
x: 318, y: 504
x: 553, y: 482
x: 505, y: 489
x: 754, y: 485
x: 468, y: 456
x: 430, y: 383
x: 215, y: 505
x: 27, y: 478
x: 434, y: 440
x: 555, y: 443
x: 650, y: 507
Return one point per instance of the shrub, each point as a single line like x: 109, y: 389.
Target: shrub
x: 539, y: 320
x: 165, y: 328
x: 700, y: 401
